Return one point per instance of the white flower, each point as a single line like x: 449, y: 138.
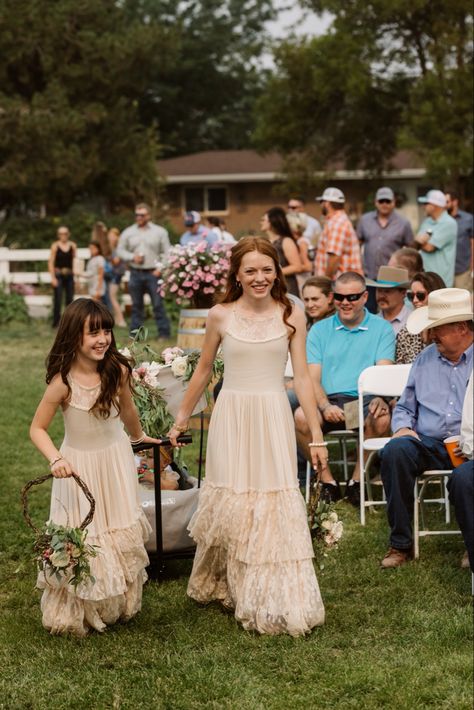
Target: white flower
x: 126, y: 352
x: 179, y: 365
x: 60, y: 558
x: 337, y: 530
x: 333, y: 517
x: 326, y: 524
x: 152, y: 372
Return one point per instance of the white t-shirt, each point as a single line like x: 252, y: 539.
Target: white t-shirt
x: 467, y: 426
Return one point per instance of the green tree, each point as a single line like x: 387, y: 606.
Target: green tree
x: 203, y: 98
x: 386, y: 76
x: 71, y: 77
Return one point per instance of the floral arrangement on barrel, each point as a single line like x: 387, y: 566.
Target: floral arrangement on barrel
x: 160, y: 380
x: 193, y: 274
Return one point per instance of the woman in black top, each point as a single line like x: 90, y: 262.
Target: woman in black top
x: 276, y: 228
x: 60, y: 266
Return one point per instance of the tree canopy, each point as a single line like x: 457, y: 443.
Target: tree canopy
x: 385, y: 76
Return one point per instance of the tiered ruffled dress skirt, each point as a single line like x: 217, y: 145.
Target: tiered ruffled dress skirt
x: 254, y: 551
x: 100, y: 452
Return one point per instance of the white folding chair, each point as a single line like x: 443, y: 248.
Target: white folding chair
x: 421, y: 484
x: 383, y: 381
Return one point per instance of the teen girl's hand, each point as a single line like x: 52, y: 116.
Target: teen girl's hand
x: 173, y: 434
x: 62, y: 469
x: 319, y: 457
x: 150, y: 440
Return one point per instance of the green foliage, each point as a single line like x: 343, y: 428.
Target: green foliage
x: 384, y: 77
x: 12, y: 307
x: 62, y: 552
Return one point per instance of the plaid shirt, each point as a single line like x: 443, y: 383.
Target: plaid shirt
x: 339, y: 238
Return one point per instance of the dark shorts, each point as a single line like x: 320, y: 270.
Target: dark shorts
x: 339, y: 400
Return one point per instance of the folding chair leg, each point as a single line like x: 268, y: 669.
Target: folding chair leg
x: 308, y: 480
x: 447, y: 509
x: 344, y: 458
x: 416, y: 523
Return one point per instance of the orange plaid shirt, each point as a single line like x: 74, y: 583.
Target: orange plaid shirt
x: 339, y: 238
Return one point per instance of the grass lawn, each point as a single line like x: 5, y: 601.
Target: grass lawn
x: 393, y: 639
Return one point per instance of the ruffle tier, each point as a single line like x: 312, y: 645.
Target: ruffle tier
x: 254, y: 555
x: 119, y: 571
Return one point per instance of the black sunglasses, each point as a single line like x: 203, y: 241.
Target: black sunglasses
x: 384, y: 202
x: 351, y: 297
x: 141, y: 214
x: 293, y: 207
x: 421, y: 295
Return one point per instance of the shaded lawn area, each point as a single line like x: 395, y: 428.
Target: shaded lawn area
x: 393, y: 639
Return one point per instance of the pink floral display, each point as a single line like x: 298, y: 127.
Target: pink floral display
x: 194, y: 273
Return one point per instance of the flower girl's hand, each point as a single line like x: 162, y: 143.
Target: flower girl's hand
x: 62, y: 469
x: 173, y: 435
x: 319, y: 458
x: 150, y: 440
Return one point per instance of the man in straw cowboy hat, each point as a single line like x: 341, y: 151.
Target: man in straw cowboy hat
x: 428, y: 411
x: 390, y: 291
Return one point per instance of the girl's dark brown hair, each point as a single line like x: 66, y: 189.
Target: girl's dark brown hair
x: 69, y: 337
x: 233, y: 291
x: 325, y: 285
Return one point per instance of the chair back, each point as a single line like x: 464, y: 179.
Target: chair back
x: 384, y: 380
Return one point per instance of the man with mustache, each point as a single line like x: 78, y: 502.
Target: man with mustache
x: 390, y: 292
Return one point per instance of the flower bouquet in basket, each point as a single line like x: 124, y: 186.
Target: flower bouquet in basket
x: 325, y: 526
x: 160, y: 381
x: 62, y: 552
x: 193, y: 274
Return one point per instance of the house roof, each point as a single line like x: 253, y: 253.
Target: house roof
x: 250, y: 166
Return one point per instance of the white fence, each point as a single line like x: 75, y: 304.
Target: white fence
x: 39, y: 305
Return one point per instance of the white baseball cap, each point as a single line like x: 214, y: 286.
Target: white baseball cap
x: 434, y: 197
x: 332, y: 194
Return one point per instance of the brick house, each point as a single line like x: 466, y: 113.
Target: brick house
x: 239, y: 185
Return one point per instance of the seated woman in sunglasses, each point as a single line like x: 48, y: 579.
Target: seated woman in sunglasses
x: 409, y: 345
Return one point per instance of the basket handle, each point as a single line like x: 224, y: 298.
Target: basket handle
x: 41, y: 479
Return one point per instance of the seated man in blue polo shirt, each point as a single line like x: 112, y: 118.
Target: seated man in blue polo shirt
x: 338, y: 349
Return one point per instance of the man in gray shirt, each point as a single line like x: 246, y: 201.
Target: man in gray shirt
x: 382, y: 231
x: 141, y: 246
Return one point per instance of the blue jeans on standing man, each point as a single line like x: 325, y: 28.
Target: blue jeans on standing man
x: 402, y: 460
x: 141, y: 282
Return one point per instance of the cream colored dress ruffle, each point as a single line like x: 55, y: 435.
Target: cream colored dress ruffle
x: 100, y: 452
x: 254, y: 551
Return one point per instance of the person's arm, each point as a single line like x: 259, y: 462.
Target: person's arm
x: 315, y: 357
x: 303, y: 388
x: 332, y: 265
x: 203, y: 371
x: 405, y: 413
x: 123, y: 251
x: 129, y: 414
x: 292, y: 254
x: 52, y: 257
x: 55, y: 394
x: 100, y: 280
x: 303, y: 253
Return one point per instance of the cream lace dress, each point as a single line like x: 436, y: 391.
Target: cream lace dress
x: 254, y: 551
x: 100, y: 452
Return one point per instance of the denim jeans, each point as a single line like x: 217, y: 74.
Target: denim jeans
x: 66, y: 286
x: 142, y: 282
x: 402, y: 460
x: 461, y: 495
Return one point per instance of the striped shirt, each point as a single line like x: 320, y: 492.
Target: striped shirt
x: 339, y: 238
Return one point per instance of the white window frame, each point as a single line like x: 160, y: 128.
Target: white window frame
x: 205, y: 188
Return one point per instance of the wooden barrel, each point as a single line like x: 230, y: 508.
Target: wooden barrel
x: 192, y: 327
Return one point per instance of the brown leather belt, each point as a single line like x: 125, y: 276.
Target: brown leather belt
x: 63, y: 272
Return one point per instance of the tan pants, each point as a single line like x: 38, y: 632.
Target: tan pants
x: 463, y: 280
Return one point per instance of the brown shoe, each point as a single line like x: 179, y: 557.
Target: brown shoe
x: 396, y: 558
x: 465, y: 561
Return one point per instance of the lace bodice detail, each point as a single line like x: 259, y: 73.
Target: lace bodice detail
x: 254, y: 329
x: 82, y: 397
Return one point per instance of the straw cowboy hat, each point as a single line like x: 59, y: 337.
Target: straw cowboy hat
x: 446, y: 305
x: 390, y: 277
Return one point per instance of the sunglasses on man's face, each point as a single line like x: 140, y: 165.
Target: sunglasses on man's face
x: 350, y: 297
x: 293, y: 207
x: 420, y: 295
x: 141, y: 214
x: 384, y: 202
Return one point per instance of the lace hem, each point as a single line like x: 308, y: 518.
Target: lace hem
x: 119, y: 569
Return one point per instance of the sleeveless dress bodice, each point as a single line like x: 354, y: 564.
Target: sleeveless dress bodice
x: 254, y: 550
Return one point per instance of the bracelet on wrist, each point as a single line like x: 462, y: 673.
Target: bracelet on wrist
x: 315, y: 444
x: 134, y: 442
x: 53, y: 461
x: 181, y: 429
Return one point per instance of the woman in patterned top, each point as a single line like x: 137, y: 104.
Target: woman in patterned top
x: 410, y: 345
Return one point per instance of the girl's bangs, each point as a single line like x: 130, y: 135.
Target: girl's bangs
x: 101, y: 318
